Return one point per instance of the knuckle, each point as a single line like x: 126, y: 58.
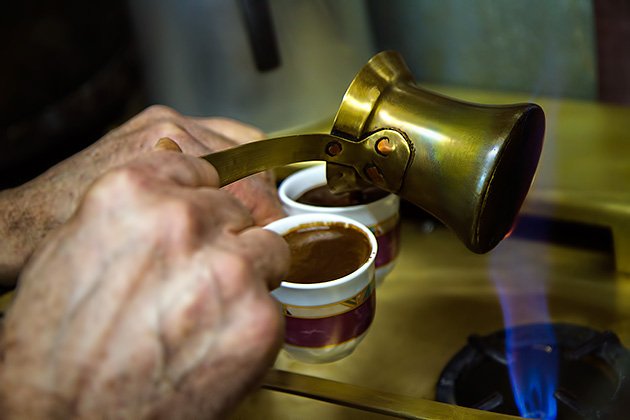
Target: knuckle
x: 120, y: 181
x: 241, y: 267
x: 161, y: 121
x: 268, y: 323
x: 238, y: 271
x: 168, y: 128
x: 160, y: 112
x: 127, y: 177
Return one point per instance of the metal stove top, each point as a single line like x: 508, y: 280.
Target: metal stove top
x: 439, y: 294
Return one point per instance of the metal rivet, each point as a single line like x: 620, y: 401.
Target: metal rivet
x: 383, y: 146
x: 333, y: 148
x: 375, y: 175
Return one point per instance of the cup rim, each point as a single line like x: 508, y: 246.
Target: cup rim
x: 305, y: 218
x: 284, y: 197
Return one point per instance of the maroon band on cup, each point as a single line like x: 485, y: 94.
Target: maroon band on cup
x: 388, y: 243
x: 321, y: 332
x: 387, y: 246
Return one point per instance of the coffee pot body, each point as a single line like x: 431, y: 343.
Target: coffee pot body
x: 470, y: 165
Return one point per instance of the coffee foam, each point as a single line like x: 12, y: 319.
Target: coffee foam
x: 322, y: 252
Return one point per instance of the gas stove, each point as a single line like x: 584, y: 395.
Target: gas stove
x: 561, y: 371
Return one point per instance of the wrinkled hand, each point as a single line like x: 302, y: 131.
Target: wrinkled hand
x: 33, y: 210
x: 155, y: 302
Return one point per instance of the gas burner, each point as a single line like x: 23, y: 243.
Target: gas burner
x: 592, y: 370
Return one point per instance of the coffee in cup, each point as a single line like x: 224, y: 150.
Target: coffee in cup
x: 323, y: 252
x: 328, y: 297
x: 323, y: 196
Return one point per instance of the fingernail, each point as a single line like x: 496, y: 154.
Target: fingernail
x: 167, y: 144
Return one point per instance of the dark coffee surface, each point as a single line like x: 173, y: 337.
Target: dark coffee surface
x: 324, y: 197
x: 323, y: 252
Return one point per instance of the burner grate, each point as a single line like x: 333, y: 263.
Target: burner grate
x: 592, y: 381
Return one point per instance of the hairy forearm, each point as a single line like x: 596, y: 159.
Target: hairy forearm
x: 23, y: 402
x: 26, y: 217
x: 16, y: 230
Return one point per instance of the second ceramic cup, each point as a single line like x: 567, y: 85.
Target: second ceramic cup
x: 382, y: 216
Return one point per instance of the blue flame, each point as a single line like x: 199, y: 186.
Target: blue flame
x: 532, y: 358
x: 531, y: 348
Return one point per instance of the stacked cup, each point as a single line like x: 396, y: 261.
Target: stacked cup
x: 328, y: 312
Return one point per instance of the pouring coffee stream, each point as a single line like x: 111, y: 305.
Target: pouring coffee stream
x: 467, y: 164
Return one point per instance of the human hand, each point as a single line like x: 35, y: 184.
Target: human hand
x: 34, y: 209
x: 156, y: 302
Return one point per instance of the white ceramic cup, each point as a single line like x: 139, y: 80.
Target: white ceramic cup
x: 382, y: 216
x: 325, y: 322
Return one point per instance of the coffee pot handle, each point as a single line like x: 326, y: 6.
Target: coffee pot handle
x: 250, y: 158
x: 370, y: 158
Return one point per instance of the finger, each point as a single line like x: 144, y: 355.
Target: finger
x: 157, y: 122
x: 219, y: 210
x: 166, y: 143
x: 178, y: 168
x: 232, y: 129
x: 260, y: 196
x: 269, y: 253
x: 151, y: 115
x: 207, y: 139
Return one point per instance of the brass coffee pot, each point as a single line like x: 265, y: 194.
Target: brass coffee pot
x: 467, y: 164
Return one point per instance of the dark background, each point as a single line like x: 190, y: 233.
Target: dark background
x: 71, y: 70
